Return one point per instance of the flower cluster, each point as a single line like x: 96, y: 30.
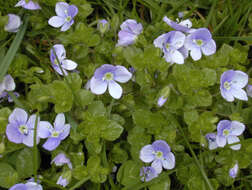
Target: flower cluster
x: 176, y: 45
x: 159, y: 154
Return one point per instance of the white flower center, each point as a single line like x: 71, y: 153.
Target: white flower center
x: 108, y: 76
x: 68, y: 19
x: 56, y: 62
x: 23, y: 129
x: 227, y: 85
x: 225, y: 132
x: 55, y: 134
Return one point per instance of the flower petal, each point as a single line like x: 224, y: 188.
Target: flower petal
x: 227, y: 95
x: 162, y: 146
x: 9, y: 83
x: 44, y: 129
x: 66, y: 26
x: 177, y: 57
x: 18, y: 116
x: 28, y: 139
x: 19, y: 186
x: 115, y: 90
x: 98, y: 86
x: 56, y: 21
x: 160, y: 40
x: 234, y: 139
x: 209, y: 48
x: 66, y: 131
x: 126, y: 38
x: 122, y: 74
x: 195, y: 54
x: 13, y: 134
x: 72, y: 10
x: 221, y: 141
x: 239, y: 94
x: 61, y: 8
x: 169, y: 161
x: 59, y: 121
x: 178, y: 39
x: 146, y: 154
x: 157, y: 165
x: 237, y: 128
x: 69, y: 64
x: 32, y: 121
x: 51, y: 144
x: 240, y: 79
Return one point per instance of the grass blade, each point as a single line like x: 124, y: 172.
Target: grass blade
x: 5, y: 63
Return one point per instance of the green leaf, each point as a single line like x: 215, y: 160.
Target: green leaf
x: 8, y: 176
x: 74, y: 81
x: 80, y: 172
x: 85, y: 97
x: 129, y: 173
x: 4, y: 114
x: 163, y: 185
x: 62, y: 96
x: 97, y: 108
x: 111, y: 131
x: 24, y: 163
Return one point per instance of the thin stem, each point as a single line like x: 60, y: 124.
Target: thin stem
x: 196, y: 160
x: 80, y: 183
x: 35, y: 150
x: 51, y: 183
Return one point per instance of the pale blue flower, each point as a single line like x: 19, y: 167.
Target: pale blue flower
x: 21, y: 128
x: 159, y: 153
x: 234, y: 171
x: 61, y: 159
x: 200, y: 41
x: 211, y: 138
x: 183, y: 26
x: 107, y: 76
x: 65, y: 16
x: 13, y: 24
x: 148, y: 173
x: 129, y: 32
x: 103, y: 25
x: 227, y: 132
x: 231, y: 85
x: 28, y: 4
x: 62, y: 181
x: 27, y: 186
x: 55, y: 134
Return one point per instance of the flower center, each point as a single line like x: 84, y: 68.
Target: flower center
x: 27, y: 1
x: 23, y: 129
x: 167, y: 46
x: 225, y: 132
x: 199, y: 42
x: 56, y: 62
x: 68, y: 18
x: 159, y: 154
x: 227, y: 85
x: 108, y: 76
x: 55, y: 134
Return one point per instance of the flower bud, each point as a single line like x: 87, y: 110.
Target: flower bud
x: 164, y: 94
x: 103, y: 26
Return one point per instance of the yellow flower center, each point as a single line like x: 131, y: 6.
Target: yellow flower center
x: 68, y: 18
x: 108, y: 76
x: 225, y: 132
x: 55, y: 134
x: 227, y: 85
x: 23, y: 129
x: 199, y: 42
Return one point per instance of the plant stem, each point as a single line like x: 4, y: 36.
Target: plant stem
x: 35, y: 150
x: 80, y: 183
x: 196, y: 160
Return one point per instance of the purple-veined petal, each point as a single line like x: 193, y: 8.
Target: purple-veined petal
x: 178, y: 40
x: 65, y: 132
x: 28, y: 139
x: 195, y: 54
x: 13, y: 24
x: 33, y: 186
x: 98, y: 86
x: 44, y: 129
x: 161, y: 101
x: 102, y: 70
x: 125, y: 38
x: 184, y: 51
x: 239, y: 80
x: 221, y: 141
x: 66, y: 26
x: 162, y: 146
x: 234, y: 139
x: 56, y: 21
x: 239, y: 94
x: 157, y: 165
x: 13, y: 134
x: 115, y: 90
x: 32, y: 121
x: 148, y: 173
x: 31, y: 5
x: 169, y: 161
x: 61, y: 159
x: 69, y: 64
x: 146, y: 154
x: 237, y: 128
x: 209, y: 48
x: 62, y: 181
x: 122, y: 74
x: 18, y: 116
x: 160, y: 40
x: 177, y: 57
x: 61, y: 8
x: 187, y: 23
x: 222, y: 125
x: 59, y: 121
x: 58, y: 70
x: 227, y: 95
x: 233, y: 171
x: 51, y: 143
x: 20, y: 3
x: 72, y: 10
x: 60, y: 52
